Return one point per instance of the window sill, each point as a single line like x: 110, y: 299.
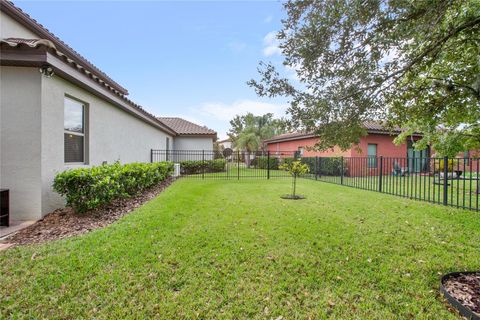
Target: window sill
x: 75, y: 164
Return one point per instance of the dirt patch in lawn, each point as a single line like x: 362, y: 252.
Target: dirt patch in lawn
x: 466, y: 289
x: 64, y: 223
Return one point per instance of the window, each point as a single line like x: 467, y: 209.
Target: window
x: 372, y: 155
x: 300, y: 151
x: 74, y: 131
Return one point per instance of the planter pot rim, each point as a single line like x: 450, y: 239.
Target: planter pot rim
x: 463, y: 310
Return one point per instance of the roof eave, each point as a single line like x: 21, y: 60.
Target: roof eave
x: 197, y: 135
x: 307, y: 136
x: 300, y: 137
x: 35, y: 57
x: 22, y: 18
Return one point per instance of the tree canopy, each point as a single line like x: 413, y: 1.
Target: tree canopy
x: 414, y: 64
x: 248, y: 131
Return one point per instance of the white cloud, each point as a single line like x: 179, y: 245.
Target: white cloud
x: 226, y: 112
x: 271, y: 43
x: 268, y: 19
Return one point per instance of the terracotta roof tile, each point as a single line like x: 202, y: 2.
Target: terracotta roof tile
x: 23, y: 17
x: 371, y: 126
x: 184, y: 127
x: 50, y: 46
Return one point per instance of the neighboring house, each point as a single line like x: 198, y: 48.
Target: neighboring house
x: 378, y: 142
x: 190, y: 136
x: 68, y: 115
x: 193, y: 142
x: 226, y: 143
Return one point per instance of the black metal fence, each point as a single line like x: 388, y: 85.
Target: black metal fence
x: 448, y: 181
x: 205, y: 164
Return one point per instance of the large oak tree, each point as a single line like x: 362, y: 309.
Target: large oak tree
x: 413, y: 63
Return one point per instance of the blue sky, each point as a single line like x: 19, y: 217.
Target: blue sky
x: 179, y: 58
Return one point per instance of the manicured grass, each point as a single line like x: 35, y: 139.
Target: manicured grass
x: 234, y: 249
x: 460, y: 192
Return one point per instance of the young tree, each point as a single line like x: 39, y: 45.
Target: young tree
x: 296, y: 169
x: 413, y: 63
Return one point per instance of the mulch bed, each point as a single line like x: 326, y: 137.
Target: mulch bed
x: 64, y: 223
x: 466, y: 289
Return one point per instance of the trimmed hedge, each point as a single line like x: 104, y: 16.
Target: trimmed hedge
x: 261, y: 162
x: 327, y: 166
x: 202, y: 166
x: 88, y: 188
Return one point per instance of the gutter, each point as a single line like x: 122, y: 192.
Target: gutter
x: 40, y: 56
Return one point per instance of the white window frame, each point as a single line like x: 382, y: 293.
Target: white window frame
x: 80, y: 134
x: 372, y: 160
x: 301, y: 150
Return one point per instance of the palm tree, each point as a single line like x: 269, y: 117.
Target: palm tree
x: 249, y: 141
x: 248, y: 131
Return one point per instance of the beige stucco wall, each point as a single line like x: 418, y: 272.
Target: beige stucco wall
x: 31, y: 141
x: 112, y: 134
x: 20, y: 140
x: 193, y: 143
x: 11, y: 29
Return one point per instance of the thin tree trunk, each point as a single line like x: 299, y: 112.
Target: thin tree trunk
x: 294, y: 185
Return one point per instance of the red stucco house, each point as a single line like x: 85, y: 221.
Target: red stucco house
x: 378, y: 142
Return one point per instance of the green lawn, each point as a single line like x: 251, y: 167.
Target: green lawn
x: 460, y: 192
x: 234, y: 249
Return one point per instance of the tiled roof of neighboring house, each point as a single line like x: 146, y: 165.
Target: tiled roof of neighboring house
x: 290, y: 136
x: 378, y: 127
x: 39, y: 29
x: 184, y: 127
x: 371, y: 126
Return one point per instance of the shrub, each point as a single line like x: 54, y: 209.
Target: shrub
x: 441, y: 165
x: 327, y: 166
x: 332, y: 166
x: 261, y: 162
x: 202, y: 166
x: 88, y: 188
x: 287, y: 161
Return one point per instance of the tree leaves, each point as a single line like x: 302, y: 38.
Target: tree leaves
x: 413, y: 63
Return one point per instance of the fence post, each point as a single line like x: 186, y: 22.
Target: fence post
x: 380, y: 177
x: 342, y: 169
x: 151, y: 155
x: 238, y: 164
x: 268, y: 164
x: 203, y: 164
x: 445, y: 181
x: 316, y: 168
x: 319, y: 167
